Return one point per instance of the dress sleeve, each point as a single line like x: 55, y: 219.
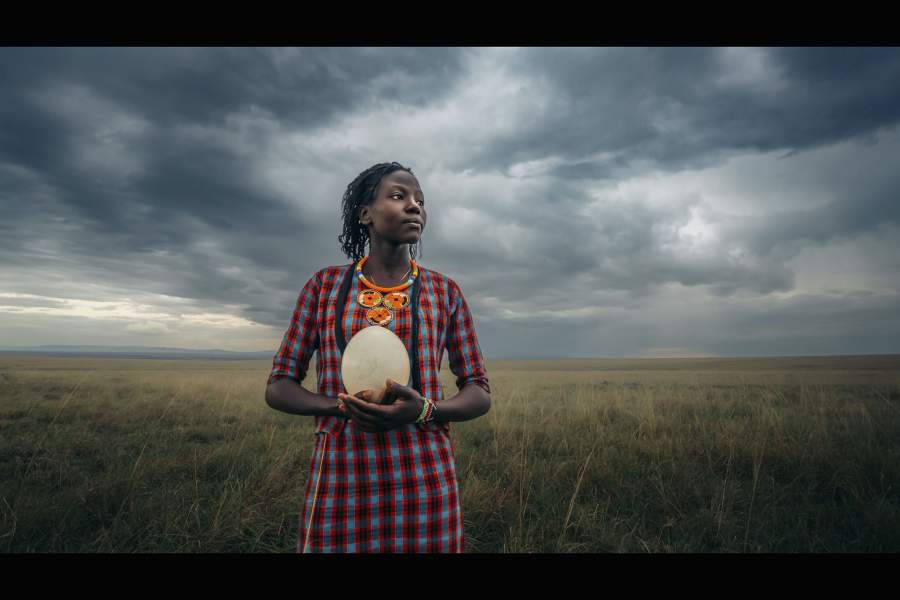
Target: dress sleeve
x: 301, y: 338
x: 464, y: 353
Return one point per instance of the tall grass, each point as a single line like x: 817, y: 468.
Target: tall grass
x: 780, y: 455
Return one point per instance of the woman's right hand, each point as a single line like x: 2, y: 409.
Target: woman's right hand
x: 361, y: 420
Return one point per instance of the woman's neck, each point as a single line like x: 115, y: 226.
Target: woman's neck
x: 391, y: 261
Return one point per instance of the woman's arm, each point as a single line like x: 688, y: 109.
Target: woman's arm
x: 291, y: 361
x: 466, y: 362
x: 469, y: 403
x: 288, y: 396
x: 472, y: 401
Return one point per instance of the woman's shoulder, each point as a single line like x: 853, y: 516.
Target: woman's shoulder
x: 322, y: 280
x: 441, y: 283
x: 432, y: 276
x: 331, y: 271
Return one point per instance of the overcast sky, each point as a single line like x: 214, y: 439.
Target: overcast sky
x: 589, y: 201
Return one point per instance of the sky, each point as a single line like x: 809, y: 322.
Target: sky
x: 589, y: 202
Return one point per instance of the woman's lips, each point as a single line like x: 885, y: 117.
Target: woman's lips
x: 413, y: 224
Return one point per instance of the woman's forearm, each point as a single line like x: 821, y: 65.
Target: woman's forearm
x: 290, y: 397
x: 469, y: 403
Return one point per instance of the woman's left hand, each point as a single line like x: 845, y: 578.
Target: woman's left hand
x: 403, y: 406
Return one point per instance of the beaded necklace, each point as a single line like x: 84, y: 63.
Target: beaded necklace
x: 383, y: 301
x: 414, y: 359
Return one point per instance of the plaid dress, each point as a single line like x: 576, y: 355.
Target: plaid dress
x: 393, y: 491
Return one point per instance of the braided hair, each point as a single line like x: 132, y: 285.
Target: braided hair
x: 361, y: 192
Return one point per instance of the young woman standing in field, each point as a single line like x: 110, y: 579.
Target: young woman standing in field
x: 382, y: 477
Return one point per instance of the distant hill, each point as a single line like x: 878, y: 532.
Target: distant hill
x: 135, y: 352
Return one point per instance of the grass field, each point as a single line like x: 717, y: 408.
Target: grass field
x: 587, y: 455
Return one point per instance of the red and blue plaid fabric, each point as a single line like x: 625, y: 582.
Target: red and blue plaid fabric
x: 394, y: 491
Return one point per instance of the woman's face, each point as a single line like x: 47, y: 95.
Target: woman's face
x: 399, y: 204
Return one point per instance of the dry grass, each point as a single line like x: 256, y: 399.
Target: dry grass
x: 662, y: 455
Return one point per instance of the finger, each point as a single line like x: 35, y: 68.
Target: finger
x: 362, y: 418
x: 402, y: 399
x: 342, y: 405
x: 372, y: 414
x: 398, y: 390
x: 373, y: 423
x: 375, y: 410
x: 365, y: 395
x: 355, y: 400
x: 362, y: 426
x: 354, y: 411
x: 387, y: 398
x: 386, y: 414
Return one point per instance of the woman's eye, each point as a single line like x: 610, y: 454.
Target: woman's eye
x: 421, y: 202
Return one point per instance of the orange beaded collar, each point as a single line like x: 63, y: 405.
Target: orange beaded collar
x: 383, y: 301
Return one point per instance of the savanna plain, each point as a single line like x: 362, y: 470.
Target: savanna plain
x: 712, y: 455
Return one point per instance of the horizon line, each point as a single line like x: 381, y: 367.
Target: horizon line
x: 126, y: 349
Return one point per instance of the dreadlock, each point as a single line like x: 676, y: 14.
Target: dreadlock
x: 361, y: 192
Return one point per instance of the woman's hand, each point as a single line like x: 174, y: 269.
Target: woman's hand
x: 403, y: 406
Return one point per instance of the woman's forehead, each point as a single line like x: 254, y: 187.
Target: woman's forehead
x: 401, y: 178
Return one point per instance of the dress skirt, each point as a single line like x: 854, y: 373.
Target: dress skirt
x: 392, y: 491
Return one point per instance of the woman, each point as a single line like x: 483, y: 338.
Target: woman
x: 382, y: 476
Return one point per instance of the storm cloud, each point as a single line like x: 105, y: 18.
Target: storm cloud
x: 589, y: 201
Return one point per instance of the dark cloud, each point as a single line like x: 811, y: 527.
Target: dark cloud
x: 115, y: 154
x: 304, y: 86
x: 688, y: 107
x: 214, y: 176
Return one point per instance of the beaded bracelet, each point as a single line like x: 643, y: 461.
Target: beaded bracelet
x: 421, y: 416
x: 427, y: 414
